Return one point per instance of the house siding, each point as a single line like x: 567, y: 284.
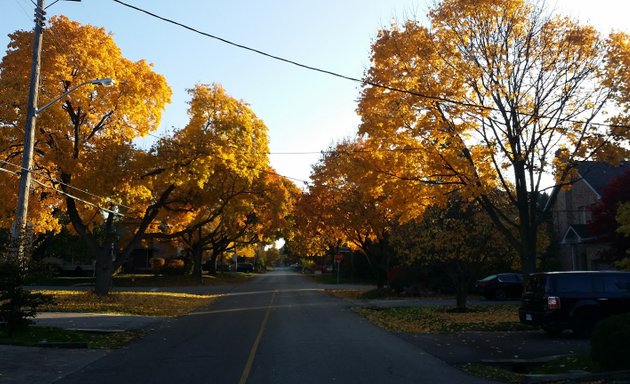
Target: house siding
x: 572, y: 208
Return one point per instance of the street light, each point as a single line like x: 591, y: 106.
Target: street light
x: 19, y: 231
x: 106, y: 82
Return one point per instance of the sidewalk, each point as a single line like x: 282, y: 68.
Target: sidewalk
x: 37, y: 365
x: 19, y: 365
x: 95, y: 321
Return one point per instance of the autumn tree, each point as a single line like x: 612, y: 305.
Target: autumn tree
x: 347, y: 206
x: 494, y: 96
x: 460, y: 239
x: 312, y: 237
x: 227, y: 192
x: 85, y: 162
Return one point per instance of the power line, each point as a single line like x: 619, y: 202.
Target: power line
x: 350, y: 78
x: 2, y: 169
x: 50, y: 178
x: 292, y: 62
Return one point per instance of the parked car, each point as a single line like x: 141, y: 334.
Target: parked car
x: 69, y: 267
x: 500, y: 286
x: 245, y: 267
x: 556, y: 301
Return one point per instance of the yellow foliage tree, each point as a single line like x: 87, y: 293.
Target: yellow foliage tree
x: 227, y: 194
x: 493, y: 97
x: 459, y: 238
x: 348, y: 205
x: 83, y: 146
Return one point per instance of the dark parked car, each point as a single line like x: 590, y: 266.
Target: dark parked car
x: 556, y: 301
x: 500, y: 286
x: 245, y: 267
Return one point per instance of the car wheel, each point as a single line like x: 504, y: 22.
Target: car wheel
x: 583, y: 322
x: 500, y: 294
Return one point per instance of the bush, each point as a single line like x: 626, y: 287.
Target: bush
x: 610, y: 342
x: 399, y: 277
x: 157, y: 263
x: 17, y: 305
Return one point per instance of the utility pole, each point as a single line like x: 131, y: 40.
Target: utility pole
x: 19, y: 232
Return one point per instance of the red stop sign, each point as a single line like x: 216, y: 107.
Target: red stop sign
x: 338, y: 258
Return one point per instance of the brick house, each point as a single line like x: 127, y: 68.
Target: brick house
x: 579, y: 246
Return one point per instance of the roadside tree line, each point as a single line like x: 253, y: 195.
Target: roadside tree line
x: 205, y: 187
x: 470, y: 127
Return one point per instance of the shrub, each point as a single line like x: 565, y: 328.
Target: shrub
x: 17, y: 305
x: 157, y: 263
x: 399, y: 277
x: 610, y: 342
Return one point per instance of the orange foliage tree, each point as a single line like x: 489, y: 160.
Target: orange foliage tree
x: 227, y: 194
x: 494, y: 96
x: 85, y: 165
x: 348, y: 204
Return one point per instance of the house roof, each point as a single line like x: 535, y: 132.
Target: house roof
x: 598, y: 174
x: 579, y: 233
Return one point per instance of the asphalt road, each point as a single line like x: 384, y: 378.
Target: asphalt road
x: 279, y: 328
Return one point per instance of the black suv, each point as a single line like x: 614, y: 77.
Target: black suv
x: 557, y: 301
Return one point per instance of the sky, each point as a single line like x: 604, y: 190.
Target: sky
x: 305, y: 111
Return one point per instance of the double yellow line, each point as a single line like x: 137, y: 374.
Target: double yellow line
x: 254, y: 349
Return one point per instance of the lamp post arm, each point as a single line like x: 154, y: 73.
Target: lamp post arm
x: 53, y: 101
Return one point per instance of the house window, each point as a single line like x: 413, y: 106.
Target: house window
x: 584, y: 215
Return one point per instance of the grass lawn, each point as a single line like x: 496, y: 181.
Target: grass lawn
x: 560, y: 365
x: 442, y: 319
x: 151, y: 280
x: 131, y: 303
x: 34, y: 336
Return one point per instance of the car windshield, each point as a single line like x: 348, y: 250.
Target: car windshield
x: 511, y: 278
x: 488, y: 278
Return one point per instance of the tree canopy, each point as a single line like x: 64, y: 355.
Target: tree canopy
x: 497, y: 96
x: 210, y: 179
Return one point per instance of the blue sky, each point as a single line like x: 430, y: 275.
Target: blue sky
x: 305, y: 111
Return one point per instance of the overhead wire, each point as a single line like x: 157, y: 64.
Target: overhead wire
x: 57, y: 39
x: 308, y: 67
x: 350, y: 78
x: 62, y: 192
x: 251, y: 167
x: 54, y: 180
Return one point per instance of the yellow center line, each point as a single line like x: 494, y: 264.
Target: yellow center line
x: 252, y: 352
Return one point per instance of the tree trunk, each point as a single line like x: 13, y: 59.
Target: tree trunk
x: 197, y: 256
x: 459, y: 275
x: 461, y: 297
x: 528, y: 250
x: 103, y: 272
x: 212, y: 265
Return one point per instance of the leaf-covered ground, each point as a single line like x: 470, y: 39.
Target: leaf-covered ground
x: 132, y: 303
x: 47, y: 335
x: 444, y: 319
